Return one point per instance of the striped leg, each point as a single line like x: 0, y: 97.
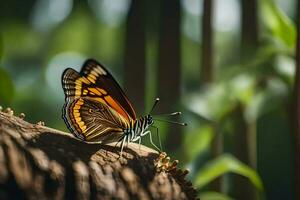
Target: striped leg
x: 127, y: 143
x: 122, y: 145
x: 158, y: 136
x: 150, y: 135
x: 138, y: 138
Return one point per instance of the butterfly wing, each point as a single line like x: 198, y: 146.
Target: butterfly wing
x: 96, y: 108
x: 104, y: 83
x: 92, y: 121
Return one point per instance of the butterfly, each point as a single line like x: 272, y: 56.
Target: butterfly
x: 97, y: 110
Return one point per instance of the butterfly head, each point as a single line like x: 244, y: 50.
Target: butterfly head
x: 149, y: 120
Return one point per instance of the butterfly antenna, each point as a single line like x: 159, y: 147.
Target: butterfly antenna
x: 169, y: 114
x: 171, y: 122
x: 155, y: 102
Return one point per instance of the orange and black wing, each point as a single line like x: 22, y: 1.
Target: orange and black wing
x: 95, y: 104
x: 103, y: 82
x: 91, y: 121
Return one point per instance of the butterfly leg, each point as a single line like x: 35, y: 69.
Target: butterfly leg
x: 150, y: 135
x: 158, y: 136
x: 120, y: 140
x: 122, y: 145
x: 138, y: 138
x: 127, y: 143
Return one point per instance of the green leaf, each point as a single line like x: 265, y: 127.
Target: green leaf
x: 198, y: 141
x: 278, y: 23
x: 224, y: 164
x: 214, y: 196
x: 219, y: 99
x: 276, y: 91
x: 6, y: 88
x: 213, y: 103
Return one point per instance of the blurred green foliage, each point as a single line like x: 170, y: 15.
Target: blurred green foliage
x: 33, y: 58
x: 6, y: 84
x: 261, y: 85
x: 278, y: 23
x: 214, y: 196
x: 224, y: 164
x: 6, y: 88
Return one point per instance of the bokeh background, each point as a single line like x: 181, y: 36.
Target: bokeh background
x: 228, y: 65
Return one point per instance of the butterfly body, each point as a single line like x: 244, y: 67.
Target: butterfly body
x: 139, y: 129
x: 97, y: 110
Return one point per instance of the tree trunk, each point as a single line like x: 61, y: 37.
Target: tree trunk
x: 207, y: 42
x: 296, y: 111
x: 169, y: 70
x: 16, y: 10
x: 245, y: 134
x: 37, y: 162
x: 242, y: 188
x: 249, y: 40
x: 135, y: 55
x: 207, y: 73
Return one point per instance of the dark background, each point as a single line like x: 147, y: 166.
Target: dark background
x: 228, y: 65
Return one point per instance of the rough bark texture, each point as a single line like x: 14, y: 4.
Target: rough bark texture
x: 37, y: 162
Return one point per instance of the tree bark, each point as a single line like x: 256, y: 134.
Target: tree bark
x: 37, y: 162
